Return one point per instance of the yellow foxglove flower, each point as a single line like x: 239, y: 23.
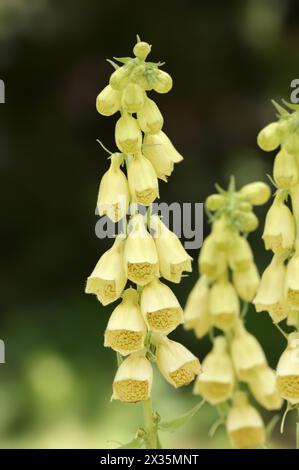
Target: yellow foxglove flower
x: 149, y: 117
x: 212, y: 261
x: 133, y: 380
x: 285, y: 170
x: 223, y: 305
x: 246, y: 282
x: 113, y: 197
x: 156, y: 153
x: 292, y: 281
x: 173, y: 258
x: 108, y: 278
x: 197, y: 315
x: 269, y: 138
x: 126, y: 330
x: 128, y: 136
x: 160, y: 307
x: 108, y: 101
x: 263, y: 388
x: 291, y: 144
x: 247, y: 354
x: 176, y: 363
x: 140, y: 254
x: 142, y: 49
x: 120, y: 78
x: 270, y: 295
x: 256, y: 193
x: 240, y: 256
x: 244, y: 424
x: 216, y: 382
x: 163, y: 83
x: 287, y: 371
x: 143, y: 182
x: 133, y: 98
x: 167, y: 146
x: 222, y: 234
x: 279, y: 231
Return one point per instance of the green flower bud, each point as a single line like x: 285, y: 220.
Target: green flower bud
x: 256, y: 193
x: 133, y: 98
x: 164, y: 82
x: 120, y: 78
x: 142, y: 49
x: 268, y: 138
x: 214, y: 202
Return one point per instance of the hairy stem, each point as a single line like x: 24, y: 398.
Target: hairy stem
x: 150, y: 427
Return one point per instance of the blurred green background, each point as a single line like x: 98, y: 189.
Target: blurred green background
x: 228, y: 59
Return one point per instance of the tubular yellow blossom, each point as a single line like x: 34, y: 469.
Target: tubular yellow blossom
x: 287, y: 372
x: 167, y: 146
x: 257, y: 193
x: 163, y: 83
x: 149, y: 117
x: 279, y: 230
x: 108, y: 278
x: 108, y: 101
x: 126, y: 330
x: 155, y: 152
x: 160, y: 307
x: 212, y: 261
x: 113, y: 197
x: 119, y: 79
x: 133, y: 380
x: 140, y: 255
x: 173, y: 258
x: 128, y: 136
x: 247, y: 354
x: 224, y: 305
x: 178, y: 365
x: 270, y: 295
x: 246, y: 282
x: 196, y: 314
x: 240, y: 256
x: 244, y: 424
x: 216, y: 382
x: 143, y: 182
x: 285, y: 170
x: 263, y: 388
x: 222, y: 234
x: 269, y: 137
x: 292, y: 281
x: 133, y: 98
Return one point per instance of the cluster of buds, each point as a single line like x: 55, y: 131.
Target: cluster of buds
x: 228, y: 275
x: 138, y: 327
x: 278, y: 293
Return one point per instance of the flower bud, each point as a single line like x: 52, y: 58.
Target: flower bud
x: 142, y: 50
x: 196, y: 312
x: 240, y: 256
x: 143, y: 182
x: 222, y: 233
x: 149, y: 117
x: 156, y: 153
x: 212, y: 261
x: 173, y: 258
x: 160, y: 307
x: 133, y: 380
x: 223, y: 305
x: 263, y: 388
x: 246, y: 282
x: 178, y: 365
x: 292, y: 282
x: 248, y: 221
x: 285, y: 170
x: 270, y: 295
x: 163, y: 82
x: 108, y: 101
x: 279, y: 230
x: 214, y: 202
x: 108, y: 278
x: 244, y: 424
x: 247, y: 354
x: 216, y: 382
x: 140, y: 255
x: 291, y: 144
x: 133, y: 98
x: 256, y: 193
x: 128, y: 136
x: 113, y: 197
x: 120, y: 78
x: 269, y: 137
x: 126, y: 330
x: 287, y: 372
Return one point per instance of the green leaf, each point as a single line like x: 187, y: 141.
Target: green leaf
x: 177, y: 423
x: 280, y: 109
x: 114, y: 65
x: 123, y: 60
x: 292, y: 106
x: 135, y: 443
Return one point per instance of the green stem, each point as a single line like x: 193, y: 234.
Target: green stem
x: 151, y: 440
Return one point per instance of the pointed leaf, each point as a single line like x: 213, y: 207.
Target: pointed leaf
x: 123, y: 60
x: 292, y: 106
x: 280, y: 109
x: 180, y: 421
